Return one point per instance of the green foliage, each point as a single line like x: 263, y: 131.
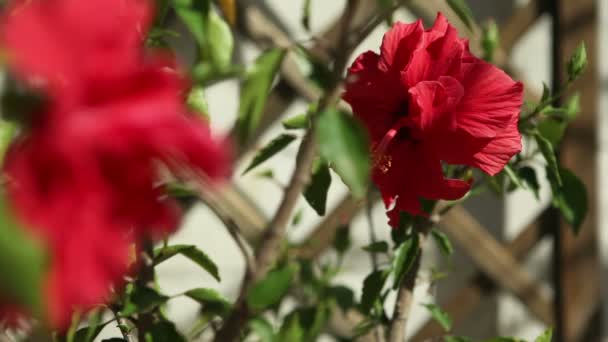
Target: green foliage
x: 440, y: 316
x: 269, y: 291
x: 577, y: 62
x: 316, y: 191
x: 552, y: 130
x: 263, y: 329
x: 372, y: 287
x: 343, y: 142
x: 275, y: 146
x: 546, y: 148
x: 343, y: 296
x: 211, y: 300
x: 341, y: 241
x: 191, y: 252
x: 163, y: 332
x: 463, y: 11
x: 299, y: 121
x: 196, y: 102
x: 141, y: 299
x: 571, y: 199
x: 88, y: 333
x: 306, y: 15
x: 377, y: 247
x: 545, y: 336
x: 529, y: 179
x: 490, y: 40
x: 443, y: 242
x: 405, y: 256
x: 254, y: 92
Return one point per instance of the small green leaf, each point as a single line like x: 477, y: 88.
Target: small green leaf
x: 191, y: 252
x: 545, y: 337
x: 211, y: 300
x: 443, y: 242
x: 88, y: 334
x: 273, y: 147
x: 291, y: 330
x: 376, y: 247
x: 440, y: 316
x: 163, y: 332
x: 254, y: 92
x: 490, y: 40
x: 546, y: 93
x: 306, y: 15
x: 196, y: 101
x: 463, y: 12
x: 552, y: 129
x: 528, y: 176
x: 316, y: 191
x: 299, y: 121
x: 546, y: 148
x: 269, y: 291
x: 344, y: 297
x: 263, y: 329
x: 221, y: 42
x: 343, y: 142
x: 573, y: 106
x: 341, y: 241
x: 572, y: 199
x: 404, y: 258
x: 577, y: 62
x: 372, y: 287
x: 142, y: 299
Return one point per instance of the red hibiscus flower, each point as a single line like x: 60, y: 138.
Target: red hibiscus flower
x: 84, y: 173
x: 426, y: 100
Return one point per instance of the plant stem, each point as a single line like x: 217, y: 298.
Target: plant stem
x: 145, y: 278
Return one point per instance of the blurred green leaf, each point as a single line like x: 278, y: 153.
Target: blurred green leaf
x: 221, y: 42
x: 572, y: 199
x: 463, y: 12
x: 546, y: 148
x: 552, y: 130
x: 263, y: 329
x: 316, y: 191
x: 450, y: 338
x: 299, y: 121
x: 163, y: 332
x: 440, y: 316
x: 254, y: 92
x: 344, y: 297
x: 577, y: 62
x: 528, y: 176
x: 343, y: 142
x: 573, y: 106
x: 275, y: 146
x: 269, y: 291
x: 372, y: 287
x: 196, y: 101
x: 211, y: 300
x: 95, y: 326
x: 443, y: 242
x: 341, y: 241
x: 404, y: 258
x: 142, y: 299
x: 376, y: 247
x: 191, y: 252
x: 306, y: 15
x: 489, y: 40
x: 545, y: 337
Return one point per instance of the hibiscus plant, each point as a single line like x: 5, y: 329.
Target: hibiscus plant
x: 106, y: 144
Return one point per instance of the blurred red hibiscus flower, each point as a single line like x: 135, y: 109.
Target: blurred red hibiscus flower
x: 84, y: 173
x: 426, y: 100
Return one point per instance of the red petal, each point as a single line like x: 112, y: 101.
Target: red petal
x: 399, y: 43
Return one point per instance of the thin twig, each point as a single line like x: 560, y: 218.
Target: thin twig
x: 120, y: 324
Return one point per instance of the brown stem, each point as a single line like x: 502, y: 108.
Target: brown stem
x: 405, y: 295
x: 145, y: 278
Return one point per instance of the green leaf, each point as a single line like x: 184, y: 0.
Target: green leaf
x: 463, y: 12
x: 269, y: 291
x: 273, y: 147
x: 341, y: 241
x: 291, y: 330
x: 304, y: 323
x: 263, y: 329
x: 22, y: 263
x: 406, y: 254
x: 546, y: 93
x: 163, y: 332
x: 443, y: 242
x: 299, y: 121
x: 490, y: 40
x: 142, y: 299
x: 221, y: 42
x: 528, y: 176
x: 211, y: 300
x: 376, y: 247
x: 306, y: 15
x: 512, y: 176
x: 545, y: 337
x: 316, y: 191
x: 577, y: 62
x: 440, y: 316
x: 254, y: 92
x: 196, y: 101
x: 546, y: 148
x: 450, y: 338
x: 191, y: 252
x: 88, y: 333
x: 573, y: 106
x: 372, y: 287
x: 572, y: 199
x: 343, y: 142
x: 297, y: 217
x: 552, y: 129
x: 344, y: 297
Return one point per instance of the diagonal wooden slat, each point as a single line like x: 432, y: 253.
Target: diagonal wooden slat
x: 496, y: 261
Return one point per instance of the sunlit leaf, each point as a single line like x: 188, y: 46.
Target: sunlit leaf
x: 142, y: 299
x: 269, y: 291
x: 211, y: 300
x: 443, y: 242
x: 275, y: 146
x: 191, y: 252
x: 405, y: 255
